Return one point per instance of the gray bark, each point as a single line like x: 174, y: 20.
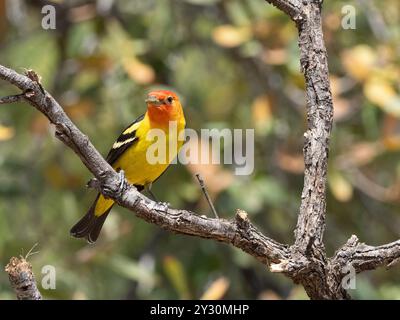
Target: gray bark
x: 22, y: 279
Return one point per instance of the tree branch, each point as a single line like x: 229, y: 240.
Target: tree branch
x: 311, y: 222
x: 22, y: 279
x: 239, y: 232
x: 293, y: 8
x: 13, y: 98
x: 363, y: 257
x: 308, y: 264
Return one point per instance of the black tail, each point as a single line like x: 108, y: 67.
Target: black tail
x: 89, y: 226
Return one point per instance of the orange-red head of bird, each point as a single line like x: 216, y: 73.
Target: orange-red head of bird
x: 163, y: 106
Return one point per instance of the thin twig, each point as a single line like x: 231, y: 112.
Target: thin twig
x: 375, y: 19
x: 30, y: 252
x: 203, y: 188
x: 12, y: 98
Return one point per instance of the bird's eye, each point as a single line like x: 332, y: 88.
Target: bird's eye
x: 170, y: 99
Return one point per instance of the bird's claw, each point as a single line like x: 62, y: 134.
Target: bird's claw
x: 121, y: 175
x: 110, y: 192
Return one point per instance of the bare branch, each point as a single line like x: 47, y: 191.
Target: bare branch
x: 240, y: 232
x: 309, y: 265
x: 293, y: 8
x: 22, y: 279
x: 314, y: 64
x: 12, y: 99
x: 207, y: 196
x: 363, y: 257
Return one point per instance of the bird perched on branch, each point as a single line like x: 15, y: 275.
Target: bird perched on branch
x: 130, y: 153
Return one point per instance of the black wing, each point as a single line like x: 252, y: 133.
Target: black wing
x: 124, y: 141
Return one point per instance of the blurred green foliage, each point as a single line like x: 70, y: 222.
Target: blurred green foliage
x: 235, y: 64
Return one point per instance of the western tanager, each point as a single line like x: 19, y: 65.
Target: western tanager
x: 130, y: 154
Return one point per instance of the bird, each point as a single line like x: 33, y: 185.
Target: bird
x: 130, y: 154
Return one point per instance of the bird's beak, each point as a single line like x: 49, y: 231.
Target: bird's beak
x: 153, y: 100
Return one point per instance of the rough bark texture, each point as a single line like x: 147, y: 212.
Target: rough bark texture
x: 22, y: 279
x: 311, y: 222
x: 314, y: 64
x: 305, y: 261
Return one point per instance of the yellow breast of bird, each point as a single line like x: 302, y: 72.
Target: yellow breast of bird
x: 149, y: 157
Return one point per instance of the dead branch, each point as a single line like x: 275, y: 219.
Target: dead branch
x: 22, y: 279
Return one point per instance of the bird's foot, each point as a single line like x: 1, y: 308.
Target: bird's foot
x: 122, y: 180
x: 109, y: 192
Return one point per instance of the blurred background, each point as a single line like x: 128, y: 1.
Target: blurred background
x: 235, y: 64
